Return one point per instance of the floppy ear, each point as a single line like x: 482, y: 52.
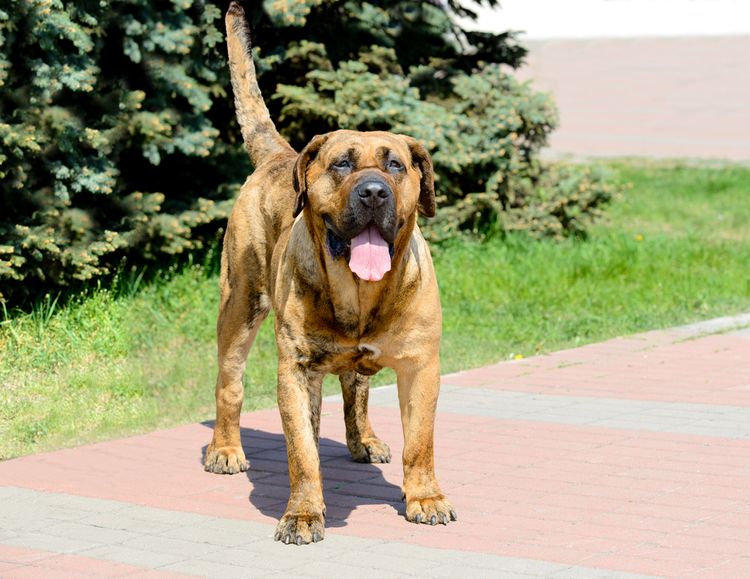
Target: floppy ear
x: 299, y: 177
x: 421, y: 158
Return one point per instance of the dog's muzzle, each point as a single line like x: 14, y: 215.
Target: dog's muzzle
x: 368, y: 229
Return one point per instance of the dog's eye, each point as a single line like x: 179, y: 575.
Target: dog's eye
x: 343, y: 164
x: 395, y: 165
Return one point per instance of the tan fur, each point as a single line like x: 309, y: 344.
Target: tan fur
x: 327, y: 319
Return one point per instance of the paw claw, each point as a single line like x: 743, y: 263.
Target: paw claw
x: 431, y: 510
x: 372, y: 450
x: 225, y: 460
x: 301, y: 528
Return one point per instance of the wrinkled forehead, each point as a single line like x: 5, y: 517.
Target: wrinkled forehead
x: 363, y: 145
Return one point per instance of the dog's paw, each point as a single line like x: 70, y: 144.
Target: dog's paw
x: 300, y: 529
x: 371, y: 450
x: 430, y: 511
x: 225, y: 460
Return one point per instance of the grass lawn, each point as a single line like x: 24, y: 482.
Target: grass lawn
x: 674, y: 249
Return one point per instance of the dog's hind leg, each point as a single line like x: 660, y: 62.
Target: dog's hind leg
x: 363, y: 445
x: 242, y: 310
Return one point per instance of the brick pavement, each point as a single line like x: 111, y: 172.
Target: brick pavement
x: 647, y: 97
x: 621, y: 459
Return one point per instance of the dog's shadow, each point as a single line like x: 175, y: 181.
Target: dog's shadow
x: 346, y: 484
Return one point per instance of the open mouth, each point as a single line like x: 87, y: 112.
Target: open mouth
x: 368, y: 254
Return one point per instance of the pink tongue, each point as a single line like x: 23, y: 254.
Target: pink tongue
x: 370, y: 258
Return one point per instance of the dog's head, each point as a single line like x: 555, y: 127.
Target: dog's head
x: 361, y: 189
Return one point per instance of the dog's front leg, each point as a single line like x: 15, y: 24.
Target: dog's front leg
x: 418, y: 386
x: 299, y: 393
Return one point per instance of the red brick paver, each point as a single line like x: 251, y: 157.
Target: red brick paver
x: 712, y: 370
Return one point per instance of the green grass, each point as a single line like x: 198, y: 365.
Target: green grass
x: 674, y: 249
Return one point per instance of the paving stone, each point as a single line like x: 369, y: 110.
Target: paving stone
x: 121, y: 521
x: 615, y: 459
x: 727, y: 421
x: 159, y: 544
x: 204, y: 568
x: 327, y: 569
x: 91, y: 533
x: 213, y: 536
x: 44, y: 542
x: 133, y: 556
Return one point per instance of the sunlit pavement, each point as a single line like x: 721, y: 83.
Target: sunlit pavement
x: 647, y: 97
x: 624, y: 458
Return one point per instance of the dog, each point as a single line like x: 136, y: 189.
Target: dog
x: 329, y: 239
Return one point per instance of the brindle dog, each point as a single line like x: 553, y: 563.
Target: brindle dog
x: 329, y: 239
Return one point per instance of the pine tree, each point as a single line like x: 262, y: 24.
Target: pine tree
x: 118, y: 139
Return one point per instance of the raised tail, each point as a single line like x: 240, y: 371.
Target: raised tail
x: 262, y: 140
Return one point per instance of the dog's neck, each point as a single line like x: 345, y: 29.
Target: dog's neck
x: 356, y: 306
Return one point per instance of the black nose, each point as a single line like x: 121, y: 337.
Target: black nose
x: 373, y: 193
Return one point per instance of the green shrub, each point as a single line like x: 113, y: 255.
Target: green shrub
x: 109, y: 146
x: 118, y: 139
x: 484, y: 133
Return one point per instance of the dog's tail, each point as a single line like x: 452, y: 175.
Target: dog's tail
x: 262, y: 140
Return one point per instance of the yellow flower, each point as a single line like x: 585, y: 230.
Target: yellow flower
x: 639, y: 237
x: 518, y: 357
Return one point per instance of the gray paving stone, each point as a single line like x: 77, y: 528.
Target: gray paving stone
x: 203, y: 568
x: 679, y: 418
x: 256, y: 560
x: 15, y: 523
x: 43, y: 542
x: 715, y: 326
x: 172, y: 518
x: 123, y: 521
x: 132, y: 556
x: 328, y: 569
x: 273, y: 556
x: 235, y: 526
x: 589, y: 573
x: 91, y: 533
x: 341, y: 543
x: 405, y: 551
x: 65, y: 513
x: 388, y: 564
x: 472, y: 572
x: 159, y: 544
x: 503, y: 565
x: 220, y: 537
x: 81, y: 503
